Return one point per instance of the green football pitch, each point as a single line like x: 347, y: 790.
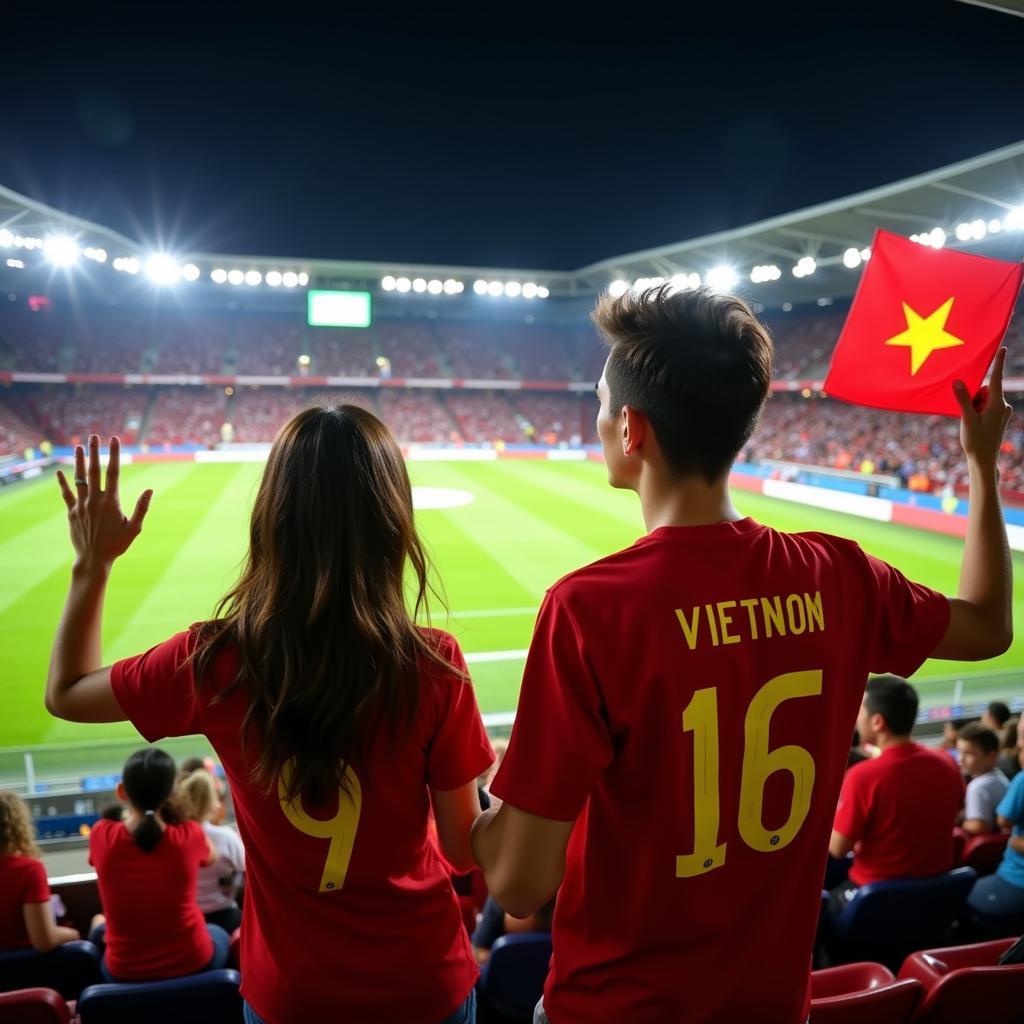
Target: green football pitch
x: 528, y: 523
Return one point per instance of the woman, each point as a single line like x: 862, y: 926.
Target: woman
x: 199, y: 801
x: 339, y: 724
x: 26, y: 918
x: 146, y: 866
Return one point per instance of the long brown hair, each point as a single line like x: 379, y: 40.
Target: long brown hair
x: 326, y: 641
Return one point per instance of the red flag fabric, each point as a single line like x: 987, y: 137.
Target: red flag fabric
x: 920, y: 319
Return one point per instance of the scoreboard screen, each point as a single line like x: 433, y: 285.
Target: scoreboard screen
x: 338, y: 309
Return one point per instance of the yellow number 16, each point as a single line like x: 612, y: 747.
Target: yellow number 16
x: 701, y: 718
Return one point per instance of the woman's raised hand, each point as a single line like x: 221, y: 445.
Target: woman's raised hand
x: 100, y: 531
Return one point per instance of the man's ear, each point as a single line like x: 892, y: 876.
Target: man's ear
x: 122, y: 794
x: 634, y: 429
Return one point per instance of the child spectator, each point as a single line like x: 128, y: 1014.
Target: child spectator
x: 950, y: 733
x: 1009, y: 756
x: 26, y: 918
x: 978, y: 747
x: 146, y: 867
x: 217, y: 884
x: 338, y: 721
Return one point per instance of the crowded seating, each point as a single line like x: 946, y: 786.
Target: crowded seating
x: 484, y: 417
x: 15, y: 434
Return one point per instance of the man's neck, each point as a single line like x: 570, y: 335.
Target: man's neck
x: 687, y: 502
x: 884, y: 742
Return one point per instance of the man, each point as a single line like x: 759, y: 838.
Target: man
x: 995, y: 716
x: 987, y: 785
x: 688, y: 703
x: 899, y: 808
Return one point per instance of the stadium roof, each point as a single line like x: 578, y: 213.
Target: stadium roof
x: 977, y: 204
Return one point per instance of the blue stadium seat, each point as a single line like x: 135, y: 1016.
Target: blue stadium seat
x: 513, y: 978
x: 68, y: 969
x: 886, y: 921
x: 209, y: 998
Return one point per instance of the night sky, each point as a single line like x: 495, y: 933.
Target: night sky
x: 507, y: 137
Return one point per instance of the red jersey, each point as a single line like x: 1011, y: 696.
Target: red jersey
x: 689, y: 702
x: 349, y: 908
x: 155, y: 928
x: 22, y: 881
x: 900, y: 809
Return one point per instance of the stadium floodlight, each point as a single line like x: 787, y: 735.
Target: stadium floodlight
x: 852, y: 258
x: 289, y: 279
x: 995, y: 225
x: 253, y: 278
x: 453, y: 287
x: 190, y: 272
x: 16, y: 264
x: 542, y: 292
x: 495, y: 288
x: 6, y: 238
x: 273, y: 278
x: 937, y: 237
x: 805, y: 266
x: 963, y: 232
x: 303, y: 278
x: 529, y: 290
x: 865, y: 253
x: 403, y: 284
x: 387, y: 282
x: 979, y: 229
x: 618, y: 287
x: 1015, y: 219
x: 480, y: 287
x: 236, y: 276
x: 162, y: 269
x: 97, y: 255
x: 513, y: 289
x: 304, y: 360
x: 130, y: 265
x: 765, y: 272
x: 419, y: 284
x: 722, y: 278
x: 434, y: 286
x: 60, y: 250
x: 218, y: 275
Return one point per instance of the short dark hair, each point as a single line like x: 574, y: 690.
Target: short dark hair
x: 697, y: 364
x: 895, y: 700
x: 981, y: 736
x: 999, y: 711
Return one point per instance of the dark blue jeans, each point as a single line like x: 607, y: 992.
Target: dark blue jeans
x: 465, y: 1014
x: 221, y: 947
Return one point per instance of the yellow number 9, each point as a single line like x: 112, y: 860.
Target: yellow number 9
x: 340, y: 830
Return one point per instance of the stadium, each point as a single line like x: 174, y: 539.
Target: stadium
x: 486, y: 378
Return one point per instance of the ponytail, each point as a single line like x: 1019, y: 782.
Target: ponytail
x: 148, y: 779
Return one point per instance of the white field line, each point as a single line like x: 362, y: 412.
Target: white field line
x: 482, y: 656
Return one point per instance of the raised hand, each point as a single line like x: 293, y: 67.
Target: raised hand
x: 100, y: 531
x: 984, y: 418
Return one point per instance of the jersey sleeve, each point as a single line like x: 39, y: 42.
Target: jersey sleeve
x: 852, y: 809
x: 561, y: 742
x: 459, y: 749
x: 1011, y: 806
x: 35, y: 889
x: 156, y: 690
x: 909, y: 620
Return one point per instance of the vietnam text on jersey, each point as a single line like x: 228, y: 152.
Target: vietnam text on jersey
x: 342, y: 899
x: 692, y: 699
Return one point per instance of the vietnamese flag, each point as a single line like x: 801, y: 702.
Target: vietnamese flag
x: 920, y: 319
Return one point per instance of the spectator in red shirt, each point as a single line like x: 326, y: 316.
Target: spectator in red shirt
x: 146, y: 866
x: 687, y: 703
x: 340, y: 724
x: 26, y: 917
x: 896, y: 811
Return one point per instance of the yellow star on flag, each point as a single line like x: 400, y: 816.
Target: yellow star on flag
x: 925, y: 334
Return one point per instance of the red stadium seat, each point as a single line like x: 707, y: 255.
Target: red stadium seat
x: 984, y: 853
x: 853, y: 993
x: 959, y: 980
x: 33, y: 1006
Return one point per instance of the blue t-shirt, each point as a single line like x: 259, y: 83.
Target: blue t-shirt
x: 1011, y: 807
